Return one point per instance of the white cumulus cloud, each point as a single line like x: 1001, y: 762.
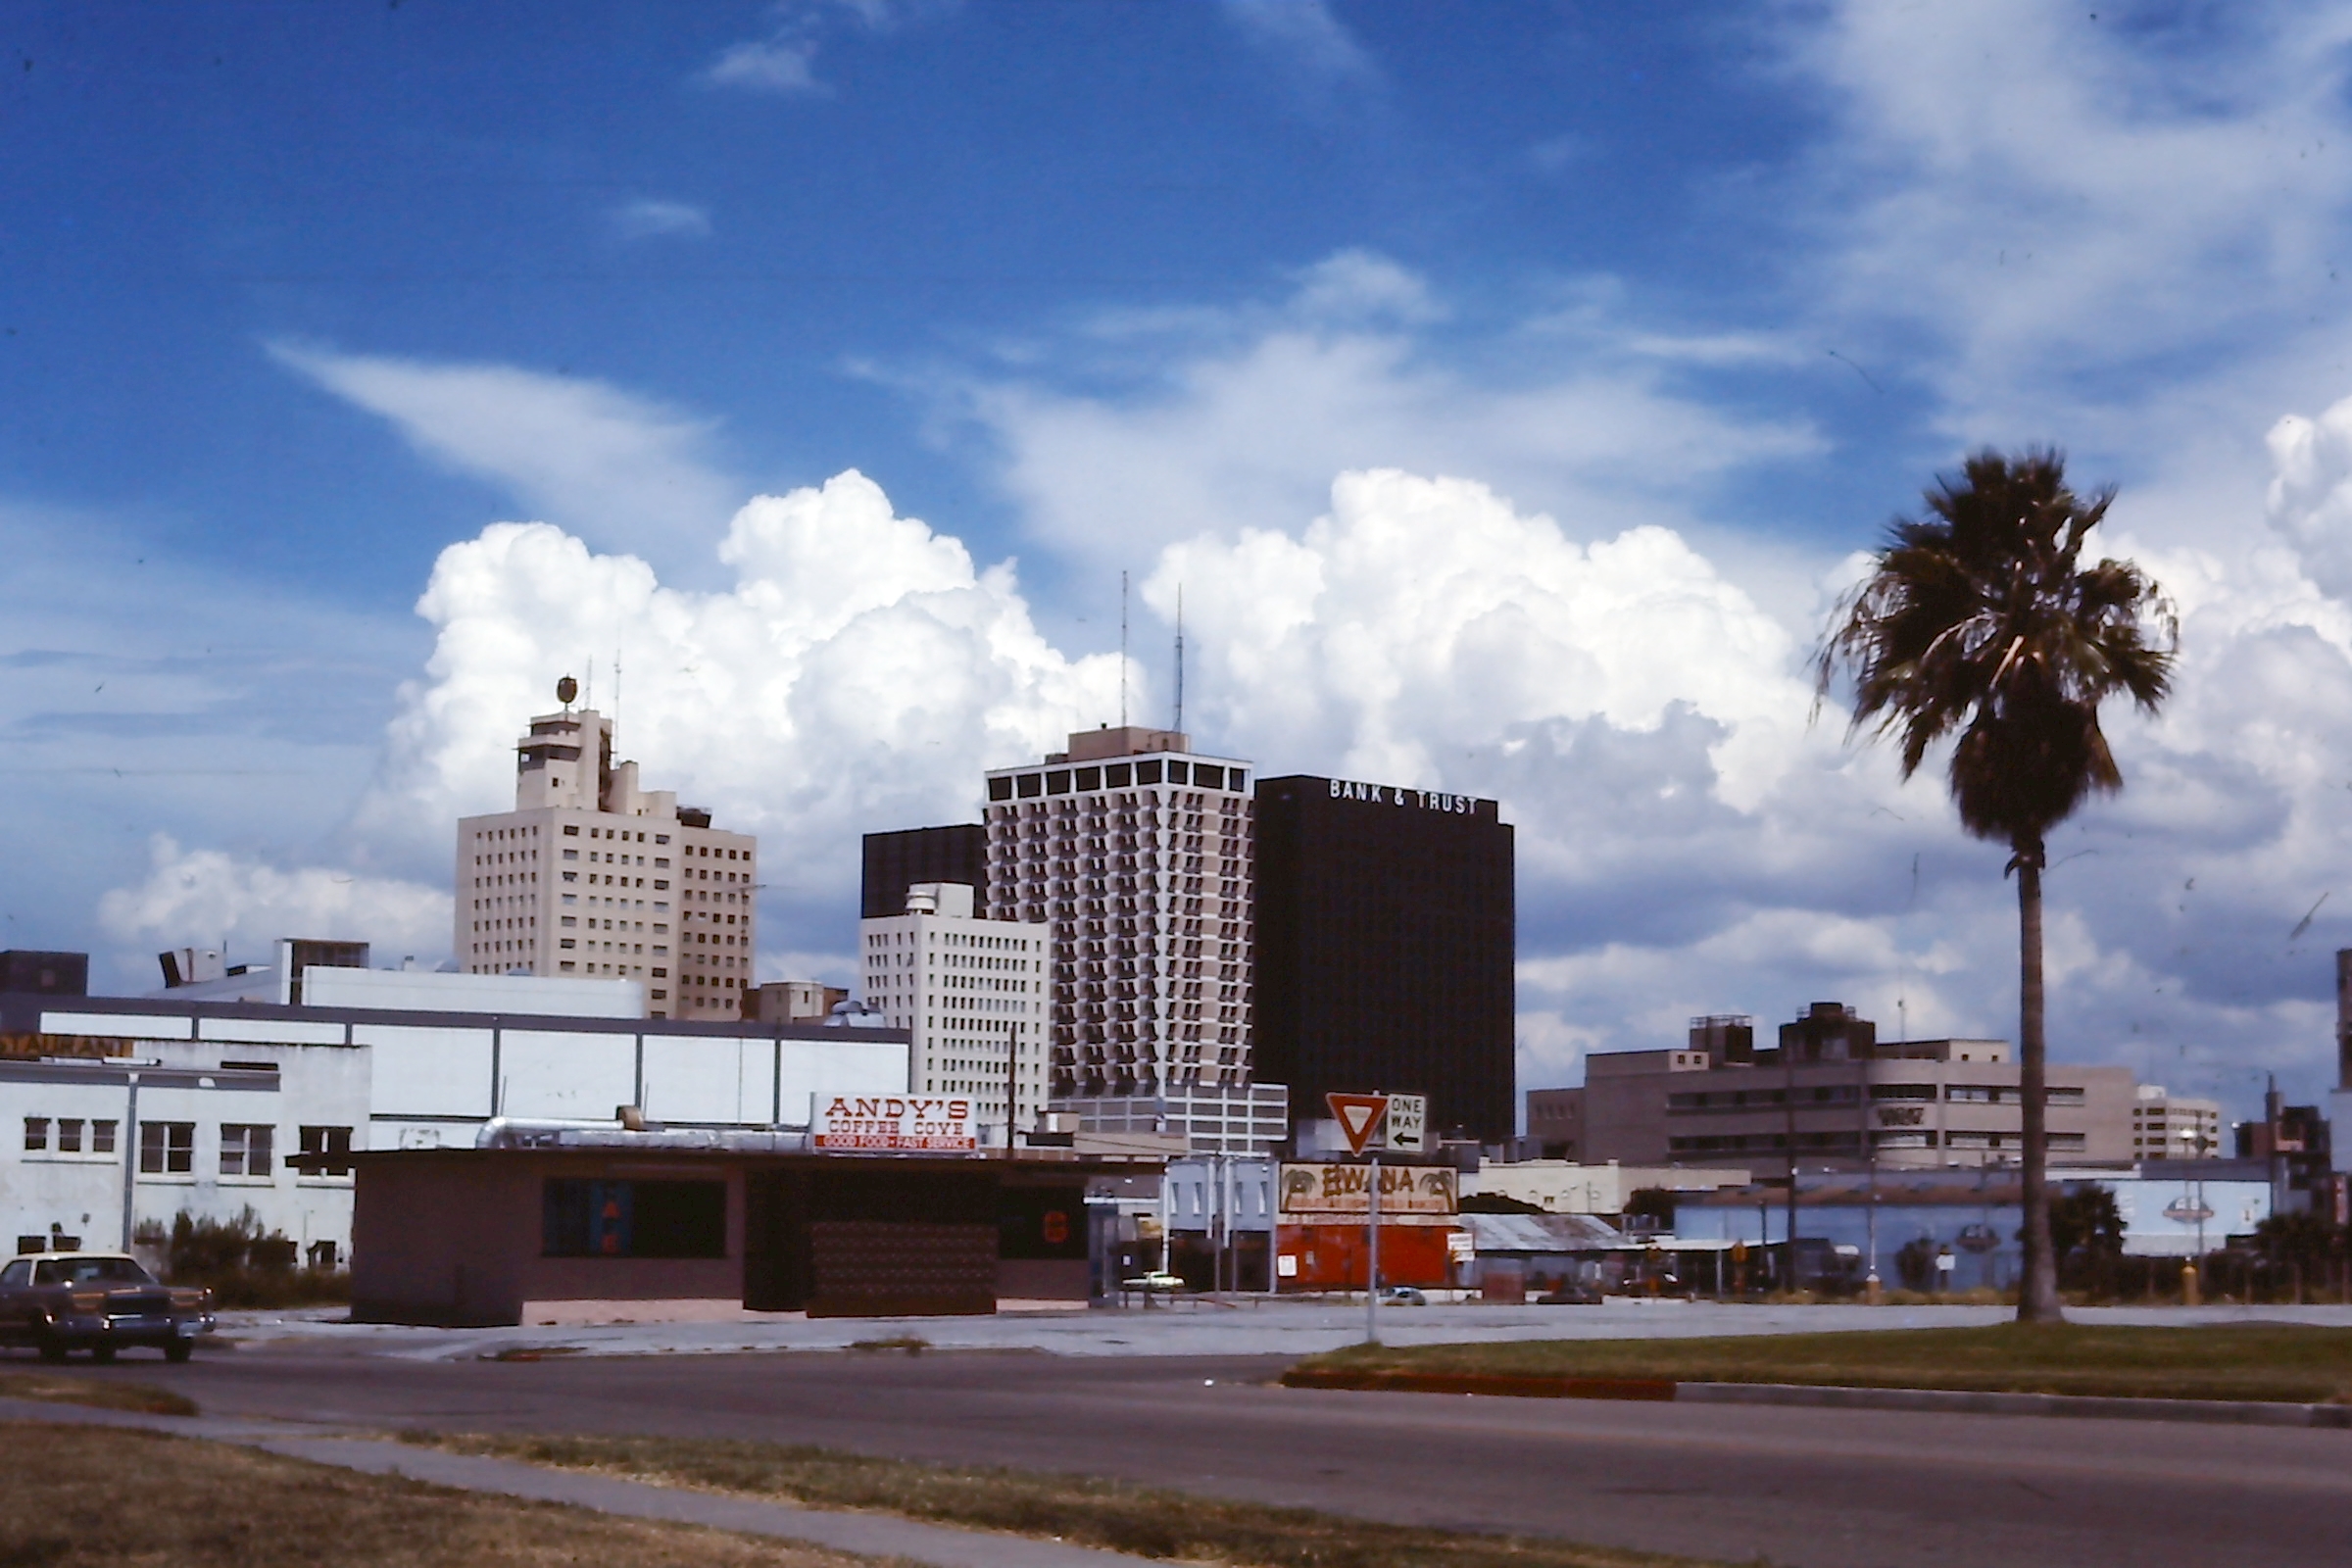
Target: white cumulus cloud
x: 2311, y: 492
x: 860, y: 673
x: 1422, y: 617
x: 198, y: 896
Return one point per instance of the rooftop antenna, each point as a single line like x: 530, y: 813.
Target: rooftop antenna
x: 1122, y: 656
x: 617, y: 687
x: 1179, y: 724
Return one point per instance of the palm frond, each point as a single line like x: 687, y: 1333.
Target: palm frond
x: 1978, y: 620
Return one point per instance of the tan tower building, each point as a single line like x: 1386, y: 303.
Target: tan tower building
x: 591, y: 877
x: 1140, y: 855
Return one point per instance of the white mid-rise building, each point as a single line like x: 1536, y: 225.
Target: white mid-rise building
x: 591, y: 877
x: 972, y: 993
x: 2169, y: 1126
x: 1141, y: 856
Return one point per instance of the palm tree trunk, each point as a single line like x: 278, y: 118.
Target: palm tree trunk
x: 2037, y: 1292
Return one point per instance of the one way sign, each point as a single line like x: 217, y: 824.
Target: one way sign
x: 1359, y: 1116
x: 1409, y: 1117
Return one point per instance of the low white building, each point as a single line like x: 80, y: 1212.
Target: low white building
x: 104, y: 1137
x: 970, y: 994
x: 122, y: 1113
x: 1563, y: 1187
x: 1211, y: 1119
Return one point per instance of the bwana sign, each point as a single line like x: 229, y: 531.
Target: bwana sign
x: 1334, y: 1191
x: 908, y: 1124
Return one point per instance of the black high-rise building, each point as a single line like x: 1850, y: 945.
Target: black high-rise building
x: 1386, y: 945
x: 895, y: 861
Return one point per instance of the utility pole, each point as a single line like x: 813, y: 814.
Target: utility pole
x: 1788, y: 1118
x: 130, y: 1161
x: 1012, y: 1085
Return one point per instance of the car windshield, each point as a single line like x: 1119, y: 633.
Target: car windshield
x: 90, y: 1271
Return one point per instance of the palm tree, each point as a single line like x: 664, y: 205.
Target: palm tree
x: 1979, y: 617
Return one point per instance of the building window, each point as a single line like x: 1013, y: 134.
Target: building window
x: 167, y: 1147
x: 69, y: 1135
x: 102, y: 1137
x: 245, y: 1149
x: 634, y: 1219
x: 36, y: 1132
x: 328, y: 1141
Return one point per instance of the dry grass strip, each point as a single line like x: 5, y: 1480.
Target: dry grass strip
x: 2286, y: 1362
x: 110, y: 1497
x: 1080, y: 1511
x: 65, y: 1388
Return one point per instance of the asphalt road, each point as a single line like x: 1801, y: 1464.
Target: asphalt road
x: 1818, y: 1487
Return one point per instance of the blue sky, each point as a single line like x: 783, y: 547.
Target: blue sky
x: 567, y: 188
x: 1509, y: 385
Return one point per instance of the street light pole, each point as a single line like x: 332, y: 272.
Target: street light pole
x: 130, y: 1161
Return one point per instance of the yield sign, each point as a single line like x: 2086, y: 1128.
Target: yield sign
x: 1358, y: 1117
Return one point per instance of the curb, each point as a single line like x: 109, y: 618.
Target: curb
x: 1531, y: 1386
x: 1955, y: 1401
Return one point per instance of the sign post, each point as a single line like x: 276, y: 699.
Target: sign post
x: 1359, y: 1116
x: 1372, y: 1262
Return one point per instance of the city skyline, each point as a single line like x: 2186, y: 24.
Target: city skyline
x: 1506, y: 397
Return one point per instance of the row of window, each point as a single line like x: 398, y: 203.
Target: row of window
x: 572, y: 830
x: 1116, y: 776
x: 1845, y: 1094
x: 1129, y: 813
x: 1776, y: 1142
x: 168, y: 1148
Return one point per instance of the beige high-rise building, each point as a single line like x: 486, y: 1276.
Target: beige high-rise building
x: 1140, y: 857
x: 591, y: 877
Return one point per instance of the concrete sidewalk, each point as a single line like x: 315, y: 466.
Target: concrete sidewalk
x: 871, y: 1535
x: 1252, y: 1326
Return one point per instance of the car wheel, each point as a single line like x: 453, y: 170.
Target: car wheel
x: 52, y: 1349
x: 179, y: 1350
x: 102, y: 1353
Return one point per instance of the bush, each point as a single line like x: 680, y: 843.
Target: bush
x: 245, y: 1265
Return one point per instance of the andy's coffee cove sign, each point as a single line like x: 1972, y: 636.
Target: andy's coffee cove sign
x: 905, y: 1124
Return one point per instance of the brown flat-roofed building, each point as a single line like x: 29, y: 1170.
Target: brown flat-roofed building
x: 660, y: 1227
x: 1830, y: 1097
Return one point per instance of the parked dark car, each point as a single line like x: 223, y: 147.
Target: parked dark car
x: 1570, y: 1293
x: 99, y: 1303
